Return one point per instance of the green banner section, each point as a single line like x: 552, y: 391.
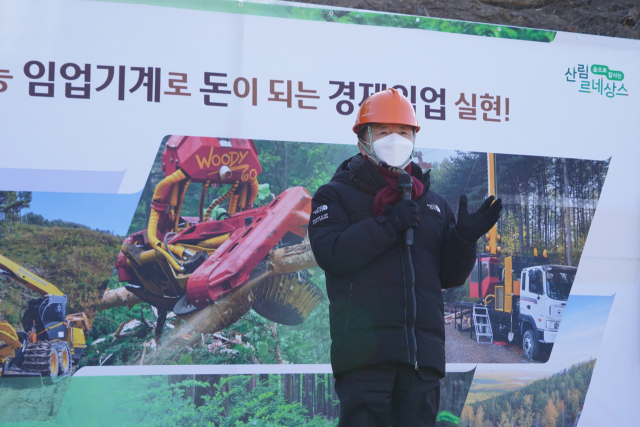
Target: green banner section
x: 353, y: 17
x: 267, y: 400
x: 81, y: 401
x: 158, y: 401
x: 603, y: 70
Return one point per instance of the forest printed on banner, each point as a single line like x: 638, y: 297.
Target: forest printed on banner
x: 549, y: 204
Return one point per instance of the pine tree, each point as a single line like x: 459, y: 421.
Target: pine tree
x: 550, y: 416
x: 527, y: 409
x: 467, y: 417
x: 561, y: 408
x: 505, y: 420
x: 479, y: 416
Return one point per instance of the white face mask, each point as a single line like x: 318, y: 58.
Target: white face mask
x: 394, y: 150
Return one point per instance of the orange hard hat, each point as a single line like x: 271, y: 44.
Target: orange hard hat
x: 387, y: 106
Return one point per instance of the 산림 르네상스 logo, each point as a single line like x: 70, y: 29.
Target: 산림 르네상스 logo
x: 597, y: 79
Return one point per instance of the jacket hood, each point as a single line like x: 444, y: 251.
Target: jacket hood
x: 361, y: 173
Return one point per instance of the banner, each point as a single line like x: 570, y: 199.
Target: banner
x: 159, y: 159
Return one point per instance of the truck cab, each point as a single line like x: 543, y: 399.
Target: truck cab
x: 543, y: 296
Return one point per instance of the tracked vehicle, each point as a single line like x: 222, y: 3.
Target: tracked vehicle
x: 52, y: 342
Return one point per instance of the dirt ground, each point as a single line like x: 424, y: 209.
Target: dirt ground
x: 460, y: 348
x: 599, y: 17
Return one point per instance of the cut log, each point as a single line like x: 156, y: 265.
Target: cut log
x: 126, y: 328
x: 465, y: 313
x: 119, y: 297
x: 291, y: 258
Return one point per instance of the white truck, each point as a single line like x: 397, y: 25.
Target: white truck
x: 544, y: 291
x: 524, y: 300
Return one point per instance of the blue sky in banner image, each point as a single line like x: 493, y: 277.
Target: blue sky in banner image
x: 581, y: 331
x: 433, y: 155
x: 579, y: 338
x: 111, y: 212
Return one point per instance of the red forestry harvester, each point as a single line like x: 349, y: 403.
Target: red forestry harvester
x: 183, y: 264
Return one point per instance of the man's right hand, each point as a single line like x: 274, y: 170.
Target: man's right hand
x: 404, y: 215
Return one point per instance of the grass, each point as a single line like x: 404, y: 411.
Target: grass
x: 78, y: 261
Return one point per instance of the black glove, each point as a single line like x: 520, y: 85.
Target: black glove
x: 473, y: 226
x: 404, y: 215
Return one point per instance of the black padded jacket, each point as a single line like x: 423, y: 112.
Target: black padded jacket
x: 376, y: 316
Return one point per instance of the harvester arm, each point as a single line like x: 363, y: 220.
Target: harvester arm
x: 263, y: 229
x: 187, y: 263
x: 279, y: 261
x: 27, y: 278
x: 80, y: 318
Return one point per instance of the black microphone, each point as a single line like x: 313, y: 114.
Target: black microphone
x: 404, y: 186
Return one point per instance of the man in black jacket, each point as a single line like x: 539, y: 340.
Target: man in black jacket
x: 386, y: 309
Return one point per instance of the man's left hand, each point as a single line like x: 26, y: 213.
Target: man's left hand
x: 471, y: 227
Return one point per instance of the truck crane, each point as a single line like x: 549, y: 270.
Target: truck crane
x: 522, y: 297
x: 52, y: 342
x: 187, y: 263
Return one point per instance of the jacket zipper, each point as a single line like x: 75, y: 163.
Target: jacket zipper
x: 412, y: 351
x: 349, y: 315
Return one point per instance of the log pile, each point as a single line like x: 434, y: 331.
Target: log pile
x: 466, y: 317
x: 450, y: 314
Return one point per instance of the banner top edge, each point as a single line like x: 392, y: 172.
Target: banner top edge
x: 340, y: 15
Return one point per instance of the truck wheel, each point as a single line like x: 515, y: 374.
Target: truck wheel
x: 64, y: 357
x: 54, y: 364
x: 530, y: 345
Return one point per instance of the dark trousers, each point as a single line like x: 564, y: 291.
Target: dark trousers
x: 387, y: 395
